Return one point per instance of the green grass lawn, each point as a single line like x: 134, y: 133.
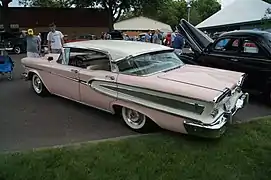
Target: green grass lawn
x: 243, y: 153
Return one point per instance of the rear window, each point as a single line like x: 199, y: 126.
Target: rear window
x: 268, y: 38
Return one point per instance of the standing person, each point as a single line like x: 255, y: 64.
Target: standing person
x: 33, y: 44
x: 102, y: 35
x: 178, y: 43
x: 173, y: 35
x: 39, y: 36
x: 108, y: 36
x: 156, y: 38
x: 148, y: 36
x: 55, y: 40
x: 168, y: 40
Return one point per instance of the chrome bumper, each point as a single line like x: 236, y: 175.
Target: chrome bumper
x: 218, y: 127
x: 25, y: 76
x: 6, y: 49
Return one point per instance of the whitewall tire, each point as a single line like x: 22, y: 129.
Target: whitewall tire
x: 134, y: 119
x: 38, y: 86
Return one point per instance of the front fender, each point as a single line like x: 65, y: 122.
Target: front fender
x: 28, y: 74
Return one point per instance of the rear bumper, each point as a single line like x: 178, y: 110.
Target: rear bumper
x: 218, y: 127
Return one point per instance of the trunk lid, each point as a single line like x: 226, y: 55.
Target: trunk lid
x: 209, y: 78
x: 194, y: 37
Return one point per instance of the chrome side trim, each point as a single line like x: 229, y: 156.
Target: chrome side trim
x: 134, y: 95
x: 226, y: 92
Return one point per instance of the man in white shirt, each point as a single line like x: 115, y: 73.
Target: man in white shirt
x: 55, y: 40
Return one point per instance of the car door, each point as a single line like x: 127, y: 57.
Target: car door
x: 65, y: 77
x: 254, y: 60
x: 98, y: 87
x: 222, y: 54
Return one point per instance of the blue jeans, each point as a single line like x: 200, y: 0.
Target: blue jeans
x: 178, y: 51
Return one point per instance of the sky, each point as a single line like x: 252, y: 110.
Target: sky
x: 14, y: 3
x: 224, y: 3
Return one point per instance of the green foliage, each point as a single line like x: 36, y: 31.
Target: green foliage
x: 266, y: 23
x: 268, y: 1
x: 242, y: 154
x: 206, y: 8
x: 172, y: 11
x: 266, y: 20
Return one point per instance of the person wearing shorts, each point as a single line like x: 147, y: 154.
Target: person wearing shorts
x: 33, y: 44
x: 55, y: 40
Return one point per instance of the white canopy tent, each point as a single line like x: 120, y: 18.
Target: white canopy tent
x: 141, y: 24
x: 240, y: 11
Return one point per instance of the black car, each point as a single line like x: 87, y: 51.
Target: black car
x: 12, y: 42
x: 116, y: 35
x: 245, y: 51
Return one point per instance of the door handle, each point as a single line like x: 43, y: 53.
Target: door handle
x: 74, y: 70
x: 235, y: 60
x: 110, y: 77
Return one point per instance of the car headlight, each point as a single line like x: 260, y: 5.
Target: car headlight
x: 214, y: 113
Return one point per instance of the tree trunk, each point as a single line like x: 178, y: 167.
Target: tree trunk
x: 111, y: 19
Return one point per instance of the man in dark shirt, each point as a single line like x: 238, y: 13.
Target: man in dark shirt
x: 178, y: 43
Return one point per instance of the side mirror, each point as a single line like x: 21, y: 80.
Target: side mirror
x: 50, y: 58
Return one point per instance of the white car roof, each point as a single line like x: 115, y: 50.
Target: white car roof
x: 118, y: 49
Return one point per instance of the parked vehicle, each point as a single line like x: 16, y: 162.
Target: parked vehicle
x: 245, y: 51
x: 115, y: 35
x: 144, y: 82
x: 87, y: 37
x: 12, y: 42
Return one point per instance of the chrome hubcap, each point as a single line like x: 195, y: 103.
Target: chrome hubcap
x: 17, y: 50
x: 133, y: 118
x: 37, y: 84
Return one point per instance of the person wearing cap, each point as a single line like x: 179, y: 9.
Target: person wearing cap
x: 33, y: 44
x: 55, y: 40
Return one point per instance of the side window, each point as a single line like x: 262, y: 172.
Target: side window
x: 221, y: 44
x: 64, y: 57
x: 89, y: 59
x: 249, y: 47
x: 227, y: 45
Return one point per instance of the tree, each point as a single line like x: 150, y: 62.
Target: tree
x: 172, y: 11
x: 268, y: 1
x: 206, y: 8
x: 56, y: 3
x: 115, y: 8
x: 266, y: 24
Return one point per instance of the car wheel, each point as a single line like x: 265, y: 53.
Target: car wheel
x: 38, y: 86
x: 17, y: 50
x: 135, y: 120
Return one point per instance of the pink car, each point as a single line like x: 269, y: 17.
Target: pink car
x: 145, y: 83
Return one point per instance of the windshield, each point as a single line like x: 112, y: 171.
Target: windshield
x: 150, y: 63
